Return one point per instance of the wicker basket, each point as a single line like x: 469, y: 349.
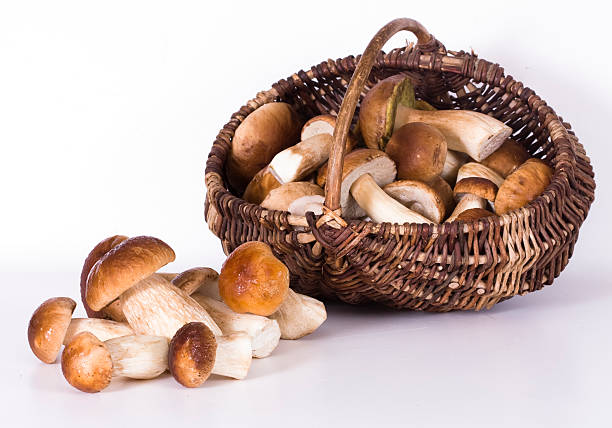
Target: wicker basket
x: 444, y: 267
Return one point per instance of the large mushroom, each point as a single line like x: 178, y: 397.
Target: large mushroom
x: 263, y: 133
x: 418, y: 197
x: 522, y: 186
x: 48, y: 326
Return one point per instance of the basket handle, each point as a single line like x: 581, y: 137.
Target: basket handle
x: 347, y: 109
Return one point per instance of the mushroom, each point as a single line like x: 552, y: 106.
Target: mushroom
x: 192, y: 353
x: 150, y: 303
x: 262, y: 134
x: 48, y: 326
x: 253, y: 280
x: 454, y: 160
x: 444, y: 190
x: 419, y: 197
x: 476, y: 186
x: 507, y: 158
x: 473, y: 169
x: 292, y: 164
x: 296, y: 197
x: 263, y: 332
x: 112, y: 311
x: 101, y: 328
x: 474, y: 214
x: 390, y: 104
x: 418, y: 150
x: 522, y: 186
x: 89, y: 364
x: 299, y: 315
x: 325, y: 124
x: 193, y: 279
x: 466, y: 202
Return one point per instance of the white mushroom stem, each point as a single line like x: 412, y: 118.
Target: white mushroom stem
x: 138, y: 357
x: 299, y: 315
x: 101, y: 328
x: 234, y: 355
x: 263, y: 332
x: 470, y: 132
x: 156, y: 307
x: 381, y: 207
x: 467, y: 201
x: 298, y: 161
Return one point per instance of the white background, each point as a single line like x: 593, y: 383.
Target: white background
x: 107, y: 113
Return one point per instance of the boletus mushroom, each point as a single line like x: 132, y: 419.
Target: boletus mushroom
x: 507, y: 158
x: 297, y: 197
x: 47, y: 327
x: 419, y: 197
x: 523, y: 186
x: 263, y: 133
x: 325, y: 124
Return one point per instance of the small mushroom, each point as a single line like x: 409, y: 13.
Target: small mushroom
x: 418, y: 150
x: 296, y: 197
x: 476, y: 186
x: 101, y: 328
x: 263, y: 133
x: 454, y: 160
x: 473, y: 169
x: 419, y: 197
x: 193, y: 279
x: 89, y: 364
x: 192, y: 353
x: 112, y: 310
x: 474, y: 214
x: 253, y: 280
x: 292, y: 164
x: 263, y: 332
x: 522, y: 186
x: 299, y: 315
x: 507, y: 158
x: 466, y: 202
x: 48, y: 326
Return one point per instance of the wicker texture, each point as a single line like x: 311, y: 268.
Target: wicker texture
x: 467, y: 266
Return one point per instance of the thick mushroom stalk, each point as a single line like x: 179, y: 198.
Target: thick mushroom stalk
x: 101, y: 328
x: 470, y: 132
x: 381, y: 207
x: 299, y: 315
x: 138, y: 357
x: 263, y: 332
x: 234, y: 355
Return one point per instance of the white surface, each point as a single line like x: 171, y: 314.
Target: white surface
x: 107, y: 114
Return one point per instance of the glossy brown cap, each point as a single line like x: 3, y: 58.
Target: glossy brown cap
x: 523, y: 186
x: 478, y: 186
x: 123, y: 266
x: 94, y: 255
x: 48, y: 326
x: 507, y: 158
x: 378, y: 108
x: 86, y: 363
x: 192, y: 353
x: 474, y: 214
x: 253, y: 280
x: 418, y: 150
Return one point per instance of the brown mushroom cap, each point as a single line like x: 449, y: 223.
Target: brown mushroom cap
x: 474, y: 169
x: 192, y: 279
x: 419, y: 197
x: 474, y: 214
x: 507, y: 158
x: 96, y: 254
x: 263, y: 183
x: 253, y: 280
x: 523, y: 186
x: 443, y: 189
x: 478, y: 186
x: 263, y: 133
x: 192, y: 354
x: 360, y: 162
x: 86, y: 363
x: 48, y: 326
x: 123, y: 266
x: 295, y: 197
x: 377, y: 111
x: 418, y: 150
x: 325, y: 124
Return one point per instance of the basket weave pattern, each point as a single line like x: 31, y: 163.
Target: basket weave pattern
x: 468, y: 266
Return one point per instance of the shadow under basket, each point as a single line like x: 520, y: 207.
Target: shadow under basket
x: 457, y: 265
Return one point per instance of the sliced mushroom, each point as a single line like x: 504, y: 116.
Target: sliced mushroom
x: 299, y: 315
x: 418, y: 197
x: 523, y: 186
x: 297, y: 198
x: 263, y: 133
x: 507, y: 158
x: 48, y: 326
x: 418, y: 150
x: 101, y: 328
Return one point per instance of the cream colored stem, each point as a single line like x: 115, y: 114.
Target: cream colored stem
x: 263, y: 332
x: 299, y: 315
x: 298, y: 161
x: 381, y: 207
x: 101, y: 328
x: 138, y: 357
x: 234, y: 355
x: 454, y: 160
x: 466, y: 131
x: 467, y: 202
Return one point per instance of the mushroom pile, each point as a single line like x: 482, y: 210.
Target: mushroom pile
x: 406, y: 162
x: 194, y: 324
